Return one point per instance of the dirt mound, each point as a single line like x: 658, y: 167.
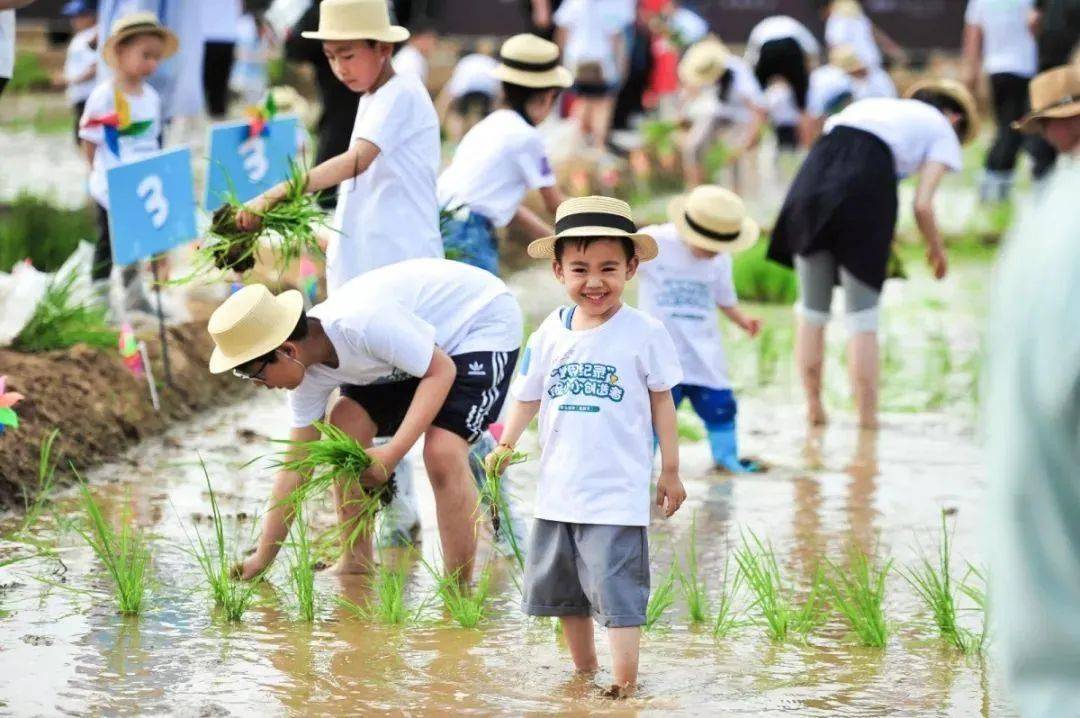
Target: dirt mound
x: 98, y: 405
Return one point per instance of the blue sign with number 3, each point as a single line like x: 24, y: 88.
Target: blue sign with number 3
x: 248, y: 166
x: 151, y: 205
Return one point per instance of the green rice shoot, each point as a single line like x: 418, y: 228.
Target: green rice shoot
x: 727, y: 618
x: 858, y: 593
x: 774, y: 599
x: 692, y: 583
x: 466, y: 607
x: 688, y: 425
x: 494, y: 497
x: 61, y: 321
x: 661, y: 599
x: 302, y: 565
x: 387, y: 602
x: 123, y: 551
x: 45, y: 484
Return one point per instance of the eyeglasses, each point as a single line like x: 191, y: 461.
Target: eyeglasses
x: 255, y: 375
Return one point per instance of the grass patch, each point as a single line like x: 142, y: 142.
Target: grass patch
x: 774, y: 598
x: 60, y: 321
x: 32, y: 228
x: 28, y: 74
x: 727, y: 618
x: 123, y: 551
x: 691, y: 582
x: 758, y: 279
x: 302, y: 565
x: 858, y: 593
x: 466, y: 607
x: 662, y: 598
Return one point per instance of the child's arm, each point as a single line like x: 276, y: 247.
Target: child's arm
x: 89, y: 150
x: 552, y: 197
x: 750, y: 325
x: 517, y: 418
x: 670, y: 493
x: 529, y: 221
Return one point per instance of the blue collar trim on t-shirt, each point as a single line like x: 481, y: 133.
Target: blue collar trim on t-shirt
x: 568, y: 316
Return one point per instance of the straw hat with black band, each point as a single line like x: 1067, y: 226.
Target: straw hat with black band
x: 531, y: 61
x: 585, y: 217
x: 250, y: 323
x: 957, y: 92
x: 714, y: 219
x: 138, y: 23
x: 845, y: 8
x: 1055, y: 94
x: 703, y: 63
x: 341, y: 20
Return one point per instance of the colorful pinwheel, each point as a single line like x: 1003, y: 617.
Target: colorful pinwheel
x: 118, y: 123
x: 259, y: 117
x: 309, y: 279
x: 8, y: 400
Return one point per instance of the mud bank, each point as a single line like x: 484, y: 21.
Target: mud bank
x: 99, y: 406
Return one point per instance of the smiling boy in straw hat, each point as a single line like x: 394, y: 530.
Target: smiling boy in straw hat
x: 683, y: 287
x: 1055, y: 102
x: 600, y: 374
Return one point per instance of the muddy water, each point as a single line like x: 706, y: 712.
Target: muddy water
x: 63, y: 649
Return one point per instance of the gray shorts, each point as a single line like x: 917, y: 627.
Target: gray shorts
x: 817, y: 274
x: 583, y: 569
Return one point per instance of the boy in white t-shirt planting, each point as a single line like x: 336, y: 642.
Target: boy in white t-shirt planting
x: 423, y: 347
x: 689, y: 280
x: 600, y: 374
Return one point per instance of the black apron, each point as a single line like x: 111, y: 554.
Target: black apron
x: 843, y: 201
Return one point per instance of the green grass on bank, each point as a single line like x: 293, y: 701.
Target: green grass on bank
x: 31, y: 227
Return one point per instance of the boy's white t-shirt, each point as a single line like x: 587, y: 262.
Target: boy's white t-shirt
x: 500, y: 159
x: 389, y: 212
x: 591, y: 28
x: 780, y: 101
x: 877, y: 83
x: 744, y: 93
x: 473, y: 73
x: 856, y: 31
x: 386, y: 324
x: 410, y: 61
x: 81, y: 56
x: 1007, y: 45
x: 916, y: 132
x: 596, y: 429
x: 683, y: 292
x: 145, y: 106
x: 779, y: 27
x: 7, y: 43
x: 827, y: 84
x: 219, y: 19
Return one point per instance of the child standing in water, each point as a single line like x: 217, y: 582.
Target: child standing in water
x: 690, y: 278
x: 600, y: 374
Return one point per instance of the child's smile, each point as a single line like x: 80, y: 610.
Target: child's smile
x: 595, y: 277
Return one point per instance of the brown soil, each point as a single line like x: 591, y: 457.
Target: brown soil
x: 98, y: 405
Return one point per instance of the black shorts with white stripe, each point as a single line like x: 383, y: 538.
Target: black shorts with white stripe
x: 475, y: 400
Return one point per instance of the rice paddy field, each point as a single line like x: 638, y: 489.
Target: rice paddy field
x: 847, y: 580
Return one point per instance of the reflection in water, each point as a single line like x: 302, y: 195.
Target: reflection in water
x: 861, y: 489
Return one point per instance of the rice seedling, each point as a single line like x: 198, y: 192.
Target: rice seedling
x: 123, y: 550
x: 302, y: 565
x: 493, y: 495
x: 977, y: 594
x: 61, y: 320
x: 768, y: 356
x: 727, y: 617
x: 858, y: 593
x: 468, y: 608
x: 232, y: 595
x: 662, y: 598
x: 939, y: 366
x: 33, y: 228
x: 689, y: 426
x: 387, y: 602
x: 46, y: 481
x: 658, y: 136
x: 760, y: 280
x: 774, y: 598
x: 691, y: 582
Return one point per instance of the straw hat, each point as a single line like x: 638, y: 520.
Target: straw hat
x: 356, y: 20
x: 594, y: 217
x: 250, y: 323
x: 845, y: 8
x: 1054, y: 93
x: 703, y: 63
x: 956, y: 91
x: 137, y: 23
x: 531, y: 61
x: 713, y: 218
x: 847, y: 59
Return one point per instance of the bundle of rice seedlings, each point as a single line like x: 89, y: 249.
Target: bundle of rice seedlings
x: 302, y: 565
x: 492, y: 494
x: 858, y: 593
x: 468, y: 608
x: 691, y: 582
x: 662, y: 598
x: 387, y: 602
x: 123, y: 550
x: 46, y: 481
x: 61, y: 321
x: 774, y: 598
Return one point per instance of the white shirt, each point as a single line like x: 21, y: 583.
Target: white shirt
x: 856, y: 31
x: 596, y: 429
x: 743, y: 95
x: 1007, y: 45
x: 80, y: 58
x: 828, y: 84
x: 916, y: 132
x: 410, y: 61
x: 385, y: 326
x: 7, y: 43
x: 690, y: 26
x: 683, y: 292
x: 500, y: 159
x: 591, y: 28
x: 219, y: 19
x: 389, y: 212
x: 780, y: 101
x: 877, y: 83
x: 779, y: 27
x: 473, y: 74
x: 146, y: 106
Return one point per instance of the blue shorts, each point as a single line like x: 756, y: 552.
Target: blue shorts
x: 472, y: 241
x: 716, y: 407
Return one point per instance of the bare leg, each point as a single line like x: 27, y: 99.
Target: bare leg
x: 356, y: 551
x: 863, y: 370
x: 810, y: 357
x: 625, y: 648
x: 446, y: 456
x: 578, y: 631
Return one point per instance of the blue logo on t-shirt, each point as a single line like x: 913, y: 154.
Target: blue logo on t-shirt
x: 684, y: 293
x: 586, y: 379
x: 545, y: 166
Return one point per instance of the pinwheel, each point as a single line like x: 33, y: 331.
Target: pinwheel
x: 260, y: 117
x: 8, y: 400
x: 117, y: 123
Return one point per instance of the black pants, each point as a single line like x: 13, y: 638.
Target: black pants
x: 1010, y: 99
x: 78, y: 112
x: 103, y: 249
x: 784, y: 58
x: 217, y: 66
x: 3, y: 84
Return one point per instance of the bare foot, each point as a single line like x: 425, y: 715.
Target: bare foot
x: 345, y: 567
x: 869, y: 424
x: 815, y: 414
x: 249, y: 568
x: 617, y: 692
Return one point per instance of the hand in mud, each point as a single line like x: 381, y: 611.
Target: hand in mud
x: 670, y: 493
x: 248, y: 569
x: 383, y: 462
x: 496, y: 462
x: 752, y: 326
x: 935, y: 257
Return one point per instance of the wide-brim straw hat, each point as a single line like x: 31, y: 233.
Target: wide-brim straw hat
x: 845, y: 8
x: 356, y: 20
x: 847, y: 59
x: 138, y: 23
x: 955, y: 90
x: 531, y: 61
x: 714, y: 219
x: 584, y: 217
x: 703, y: 63
x: 1054, y: 94
x: 250, y: 323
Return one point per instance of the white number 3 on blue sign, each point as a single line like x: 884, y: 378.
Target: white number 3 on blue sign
x: 152, y: 192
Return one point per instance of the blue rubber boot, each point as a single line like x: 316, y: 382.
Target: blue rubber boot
x: 725, y: 451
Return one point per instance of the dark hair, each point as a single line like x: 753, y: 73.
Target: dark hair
x: 582, y: 243
x: 300, y: 331
x: 142, y: 33
x: 422, y: 26
x: 945, y: 102
x: 518, y: 96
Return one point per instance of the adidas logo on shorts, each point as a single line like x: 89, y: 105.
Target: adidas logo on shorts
x: 477, y: 369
